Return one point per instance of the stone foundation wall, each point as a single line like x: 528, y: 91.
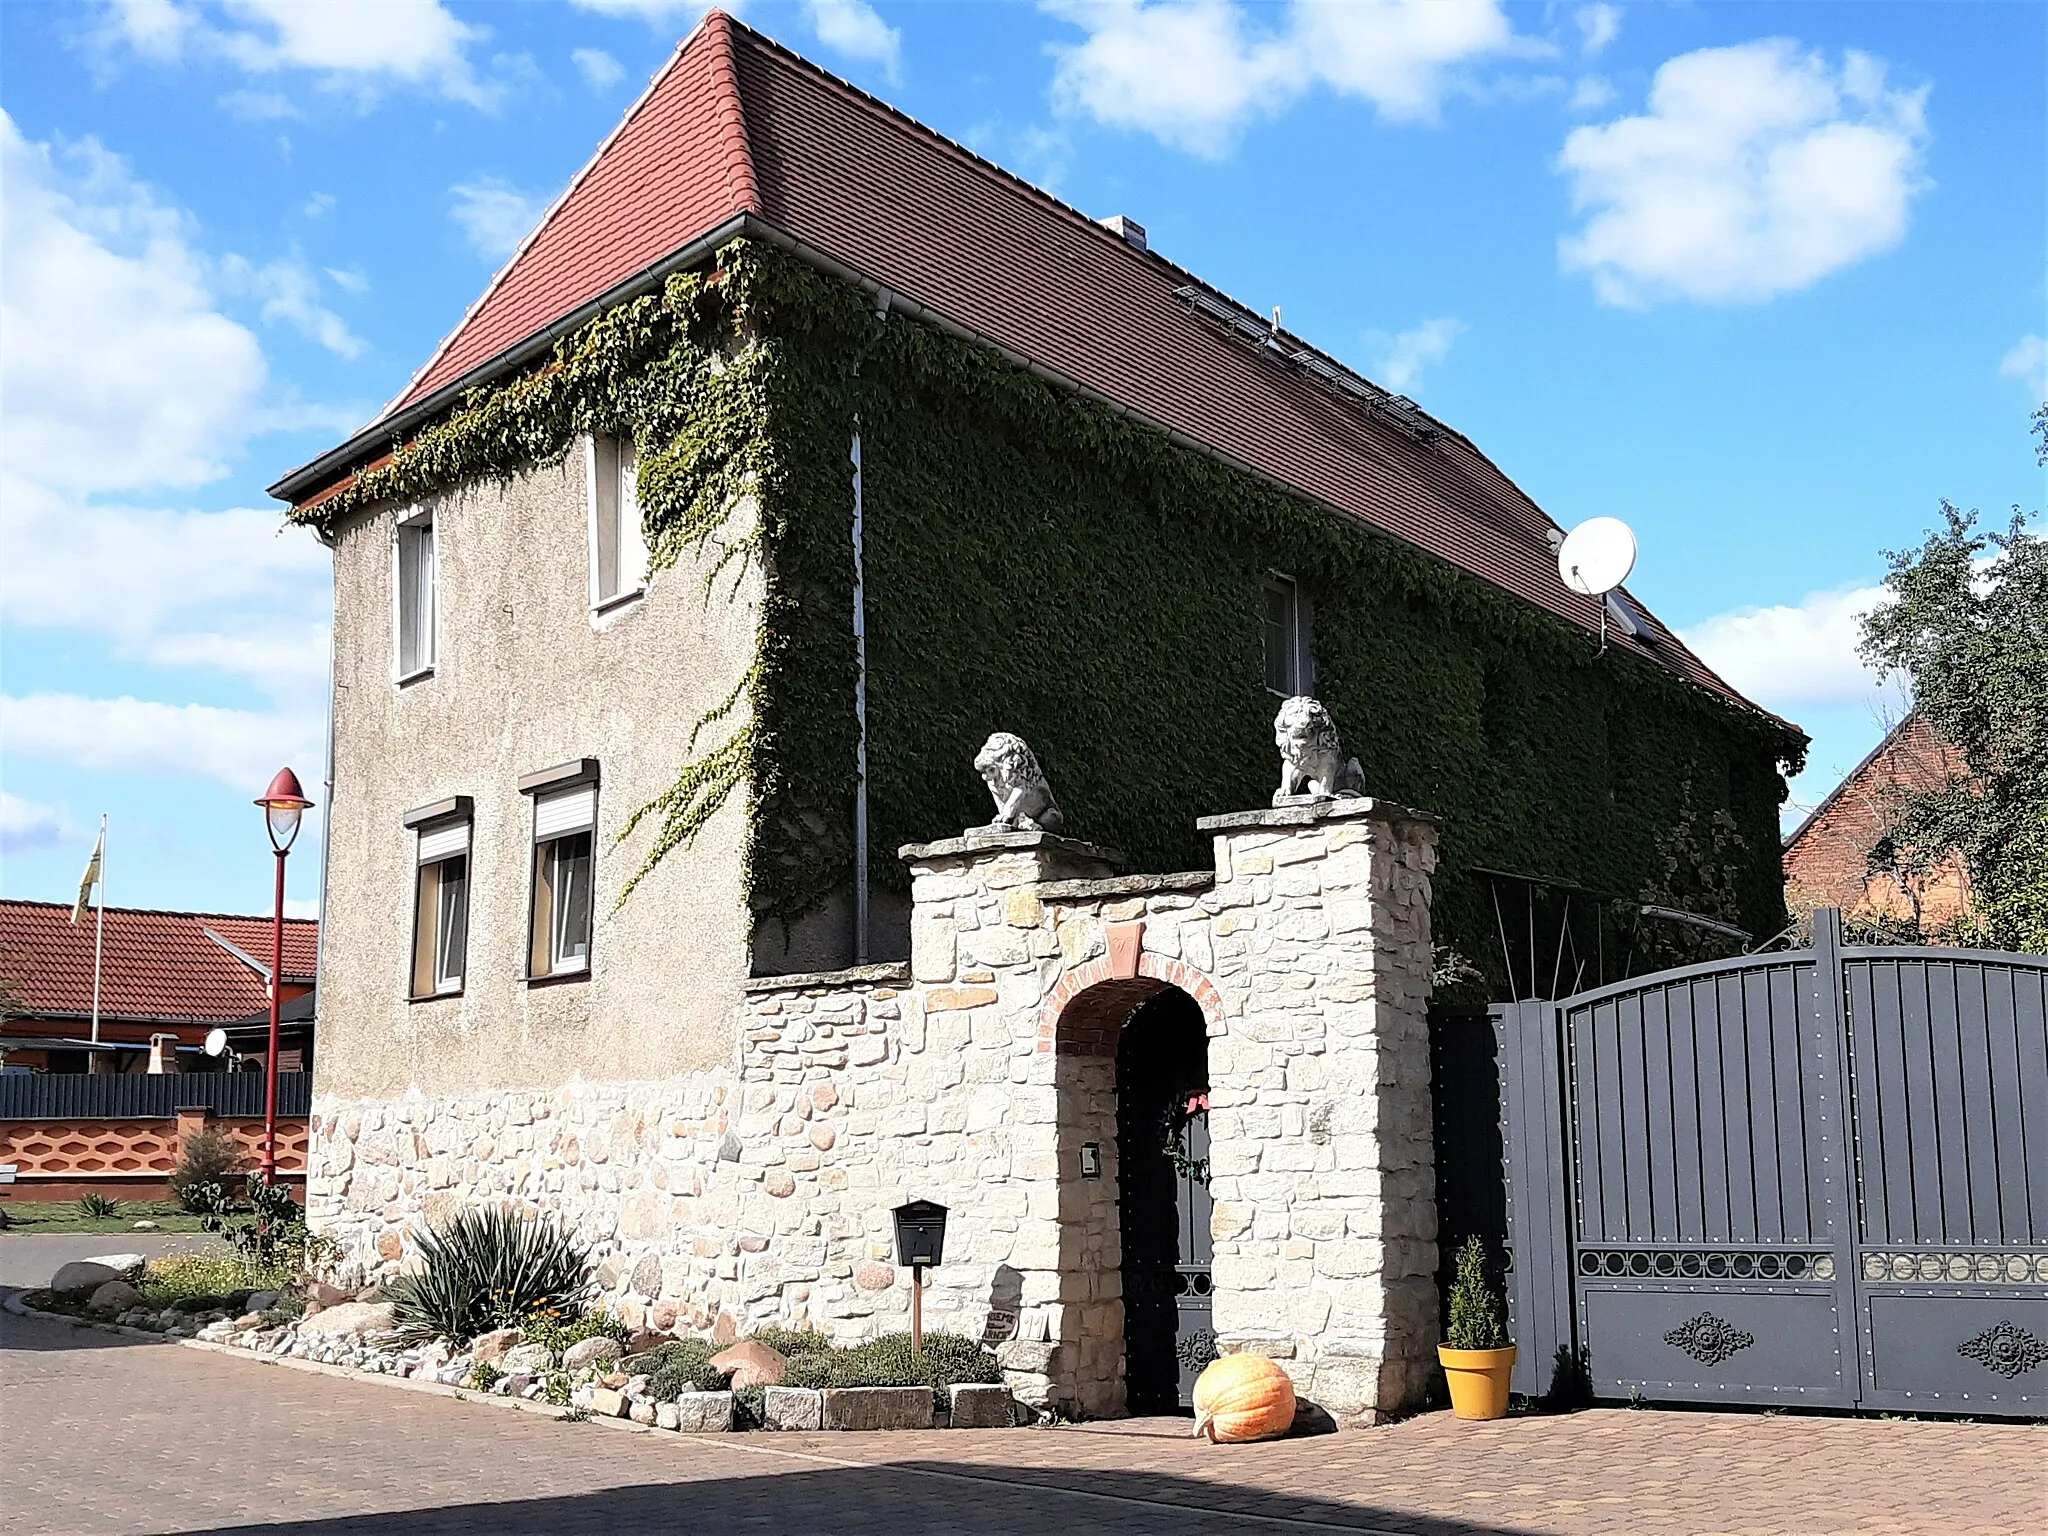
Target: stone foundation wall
x: 727, y: 1199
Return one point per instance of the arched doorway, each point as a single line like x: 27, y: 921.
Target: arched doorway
x: 1162, y: 1085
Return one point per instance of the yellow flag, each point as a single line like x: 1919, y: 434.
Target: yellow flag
x: 89, y: 879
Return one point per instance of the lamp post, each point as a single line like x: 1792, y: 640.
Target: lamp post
x: 283, y: 804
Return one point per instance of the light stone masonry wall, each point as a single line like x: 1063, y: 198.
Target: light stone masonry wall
x: 730, y: 1198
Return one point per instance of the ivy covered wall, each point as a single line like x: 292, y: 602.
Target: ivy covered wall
x: 1039, y: 564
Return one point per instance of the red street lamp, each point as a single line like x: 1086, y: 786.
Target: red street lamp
x: 283, y: 804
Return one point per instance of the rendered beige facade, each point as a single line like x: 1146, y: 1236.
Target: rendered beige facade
x: 525, y: 677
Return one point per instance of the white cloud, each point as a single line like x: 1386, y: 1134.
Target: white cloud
x: 853, y: 28
x: 319, y: 205
x: 1793, y: 656
x: 120, y: 374
x: 237, y: 747
x: 25, y: 825
x: 290, y: 292
x: 1590, y: 93
x: 349, y: 279
x: 1195, y: 74
x: 2028, y: 362
x: 1598, y: 26
x: 118, y: 369
x: 347, y: 43
x: 261, y: 106
x: 1401, y: 358
x: 1757, y: 170
x: 598, y: 68
x: 495, y: 215
x: 302, y: 906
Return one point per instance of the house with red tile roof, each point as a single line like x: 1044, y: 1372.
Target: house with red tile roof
x: 175, y: 974
x: 796, y: 451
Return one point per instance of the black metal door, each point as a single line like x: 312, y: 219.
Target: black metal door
x: 1794, y: 1178
x: 1194, y: 1323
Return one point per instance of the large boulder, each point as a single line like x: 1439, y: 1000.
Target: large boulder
x: 750, y: 1363
x: 527, y: 1357
x: 585, y: 1353
x: 81, y: 1277
x: 115, y: 1296
x: 351, y: 1317
x: 328, y: 1295
x: 489, y: 1346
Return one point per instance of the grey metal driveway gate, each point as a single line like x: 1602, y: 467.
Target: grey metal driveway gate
x: 1813, y: 1177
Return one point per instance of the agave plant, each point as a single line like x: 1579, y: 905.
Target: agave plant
x: 486, y: 1269
x: 98, y: 1207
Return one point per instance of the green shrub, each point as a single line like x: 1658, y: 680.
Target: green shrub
x: 183, y: 1278
x: 557, y: 1329
x: 208, y: 1157
x: 486, y: 1376
x: 487, y: 1268
x: 889, y: 1361
x: 682, y: 1365
x: 750, y: 1408
x: 791, y: 1342
x: 97, y: 1207
x: 1476, y: 1321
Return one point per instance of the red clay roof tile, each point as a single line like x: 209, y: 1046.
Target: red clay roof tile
x: 155, y: 965
x: 736, y: 124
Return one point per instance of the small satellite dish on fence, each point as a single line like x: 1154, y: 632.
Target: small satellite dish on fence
x: 1597, y: 556
x: 216, y: 1042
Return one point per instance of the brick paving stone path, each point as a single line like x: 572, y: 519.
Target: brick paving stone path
x: 106, y: 1435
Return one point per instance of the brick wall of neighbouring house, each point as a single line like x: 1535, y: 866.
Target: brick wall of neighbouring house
x: 128, y: 1159
x: 1827, y: 859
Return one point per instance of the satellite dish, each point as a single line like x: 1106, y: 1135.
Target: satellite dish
x: 1597, y: 556
x: 216, y: 1042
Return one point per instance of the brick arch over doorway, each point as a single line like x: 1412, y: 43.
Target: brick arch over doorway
x: 1084, y: 1013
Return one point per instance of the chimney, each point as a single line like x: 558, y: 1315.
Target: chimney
x: 1127, y: 229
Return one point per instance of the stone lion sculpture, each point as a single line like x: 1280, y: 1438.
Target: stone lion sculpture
x: 1024, y: 801
x: 1312, y: 764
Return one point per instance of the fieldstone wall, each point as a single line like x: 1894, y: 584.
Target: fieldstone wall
x: 722, y: 1200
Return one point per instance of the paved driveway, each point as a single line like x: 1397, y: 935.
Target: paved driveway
x: 105, y: 1435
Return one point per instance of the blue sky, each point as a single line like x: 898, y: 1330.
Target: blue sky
x: 1764, y: 280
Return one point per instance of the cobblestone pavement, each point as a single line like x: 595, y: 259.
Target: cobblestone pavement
x: 105, y: 1435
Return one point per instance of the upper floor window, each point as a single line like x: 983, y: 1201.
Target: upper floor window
x: 1290, y: 665
x: 618, y: 548
x: 413, y: 557
x: 564, y: 867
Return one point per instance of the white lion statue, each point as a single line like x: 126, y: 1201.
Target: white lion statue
x: 1312, y: 765
x: 1024, y: 801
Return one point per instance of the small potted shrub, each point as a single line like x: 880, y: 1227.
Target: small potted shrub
x: 1477, y: 1357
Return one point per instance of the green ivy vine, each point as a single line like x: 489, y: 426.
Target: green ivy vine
x: 1036, y: 562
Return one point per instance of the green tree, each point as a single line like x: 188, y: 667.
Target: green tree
x: 1968, y: 628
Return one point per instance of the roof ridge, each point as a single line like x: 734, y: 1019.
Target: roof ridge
x: 236, y: 917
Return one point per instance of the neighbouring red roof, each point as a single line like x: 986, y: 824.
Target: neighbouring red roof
x: 158, y: 966
x: 735, y: 125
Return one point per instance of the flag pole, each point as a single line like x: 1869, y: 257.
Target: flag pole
x: 99, y: 936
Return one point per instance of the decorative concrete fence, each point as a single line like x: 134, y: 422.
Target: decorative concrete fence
x: 978, y: 1075
x: 73, y: 1134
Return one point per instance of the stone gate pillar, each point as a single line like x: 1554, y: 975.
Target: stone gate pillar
x: 1321, y: 1159
x: 983, y: 955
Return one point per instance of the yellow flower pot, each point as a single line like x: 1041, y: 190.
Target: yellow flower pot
x: 1479, y: 1380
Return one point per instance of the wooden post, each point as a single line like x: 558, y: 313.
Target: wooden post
x: 917, y: 1308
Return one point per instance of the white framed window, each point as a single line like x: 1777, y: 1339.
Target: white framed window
x: 440, y: 918
x: 564, y: 866
x: 1290, y: 661
x: 618, y: 546
x: 413, y: 582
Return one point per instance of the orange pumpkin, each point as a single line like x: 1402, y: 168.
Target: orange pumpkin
x: 1243, y: 1397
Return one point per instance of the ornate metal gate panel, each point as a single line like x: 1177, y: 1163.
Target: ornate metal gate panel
x: 1817, y: 1177
x: 1194, y: 1334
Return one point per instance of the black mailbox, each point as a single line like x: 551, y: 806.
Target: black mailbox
x: 920, y: 1233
